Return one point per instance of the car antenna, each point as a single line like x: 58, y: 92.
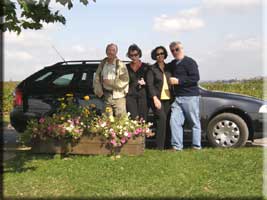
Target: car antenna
x: 58, y: 53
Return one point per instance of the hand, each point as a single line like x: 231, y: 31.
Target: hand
x: 173, y: 81
x: 157, y: 102
x: 141, y: 82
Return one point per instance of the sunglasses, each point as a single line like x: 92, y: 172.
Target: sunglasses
x: 133, y: 55
x: 160, y: 54
x: 175, y: 50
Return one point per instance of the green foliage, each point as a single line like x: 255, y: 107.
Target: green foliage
x: 8, y: 89
x: 251, y: 87
x: 206, y: 174
x: 31, y: 14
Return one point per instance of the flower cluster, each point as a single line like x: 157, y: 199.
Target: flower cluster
x: 118, y: 130
x: 72, y: 121
x: 69, y: 122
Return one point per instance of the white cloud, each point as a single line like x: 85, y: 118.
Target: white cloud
x: 185, y: 20
x: 244, y: 44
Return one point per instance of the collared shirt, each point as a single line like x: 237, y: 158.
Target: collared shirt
x: 109, y: 75
x: 178, y: 61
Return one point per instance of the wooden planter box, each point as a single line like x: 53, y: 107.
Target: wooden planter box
x: 89, y: 145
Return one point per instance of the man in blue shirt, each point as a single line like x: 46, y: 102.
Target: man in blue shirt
x: 185, y: 77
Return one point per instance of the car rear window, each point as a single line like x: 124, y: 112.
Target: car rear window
x: 42, y: 77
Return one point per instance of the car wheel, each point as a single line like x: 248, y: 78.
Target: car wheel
x: 227, y: 130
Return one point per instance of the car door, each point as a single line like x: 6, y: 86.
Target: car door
x: 84, y: 87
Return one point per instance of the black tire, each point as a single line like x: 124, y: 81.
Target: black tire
x: 227, y: 130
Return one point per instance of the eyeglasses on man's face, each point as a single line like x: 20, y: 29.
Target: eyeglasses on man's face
x: 175, y: 50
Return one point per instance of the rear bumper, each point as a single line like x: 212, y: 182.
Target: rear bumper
x: 18, y: 119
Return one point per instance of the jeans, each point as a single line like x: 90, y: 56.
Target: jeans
x: 185, y: 108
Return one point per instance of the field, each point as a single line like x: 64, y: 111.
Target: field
x: 250, y: 87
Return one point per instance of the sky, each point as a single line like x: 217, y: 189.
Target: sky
x: 225, y: 37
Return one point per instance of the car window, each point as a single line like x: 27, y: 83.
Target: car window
x: 63, y: 80
x: 84, y: 76
x: 44, y: 76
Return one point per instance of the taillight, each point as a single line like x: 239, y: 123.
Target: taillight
x: 17, y: 98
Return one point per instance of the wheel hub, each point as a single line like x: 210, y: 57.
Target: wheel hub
x: 226, y: 133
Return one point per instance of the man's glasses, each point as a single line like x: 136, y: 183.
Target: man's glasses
x: 160, y: 54
x: 133, y: 55
x: 175, y: 50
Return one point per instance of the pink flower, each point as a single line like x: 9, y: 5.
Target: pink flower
x: 76, y: 130
x: 137, y: 131
x: 123, y: 140
x: 113, y: 134
x: 113, y: 142
x: 41, y: 120
x: 129, y: 134
x: 49, y: 128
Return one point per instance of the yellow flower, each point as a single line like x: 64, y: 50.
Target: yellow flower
x: 108, y: 109
x: 69, y: 95
x: 62, y: 118
x: 86, y: 111
x: 86, y: 98
x: 60, y: 99
x: 111, y: 118
x: 92, y: 105
x: 63, y: 105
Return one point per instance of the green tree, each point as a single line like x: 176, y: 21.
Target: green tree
x: 31, y: 14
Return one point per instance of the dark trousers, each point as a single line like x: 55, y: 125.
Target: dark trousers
x: 162, y: 117
x: 137, y: 106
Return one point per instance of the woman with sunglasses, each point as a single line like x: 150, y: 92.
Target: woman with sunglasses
x: 158, y: 90
x: 136, y: 99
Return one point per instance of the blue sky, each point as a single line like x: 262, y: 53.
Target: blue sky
x: 225, y: 37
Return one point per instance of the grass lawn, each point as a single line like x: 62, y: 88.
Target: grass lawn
x: 206, y: 174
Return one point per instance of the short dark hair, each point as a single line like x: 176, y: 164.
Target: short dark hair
x: 134, y: 47
x: 154, y: 51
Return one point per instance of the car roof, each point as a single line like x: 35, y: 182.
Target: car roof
x: 77, y: 64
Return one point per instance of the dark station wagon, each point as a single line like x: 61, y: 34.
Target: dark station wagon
x: 227, y: 119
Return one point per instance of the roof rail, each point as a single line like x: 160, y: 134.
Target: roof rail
x: 82, y: 62
x: 77, y: 61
